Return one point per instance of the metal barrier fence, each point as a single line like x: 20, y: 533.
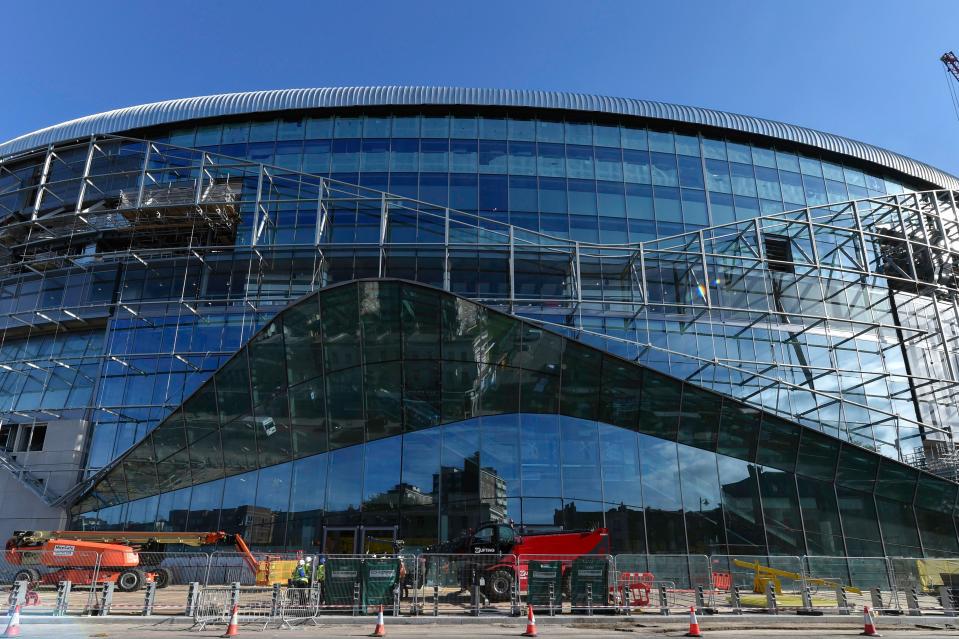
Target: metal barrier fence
x: 61, y: 581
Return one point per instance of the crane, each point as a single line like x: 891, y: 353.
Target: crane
x: 951, y: 64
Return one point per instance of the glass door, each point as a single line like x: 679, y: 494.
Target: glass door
x: 339, y: 540
x: 378, y: 541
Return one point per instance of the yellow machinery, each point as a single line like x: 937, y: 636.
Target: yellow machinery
x: 765, y: 574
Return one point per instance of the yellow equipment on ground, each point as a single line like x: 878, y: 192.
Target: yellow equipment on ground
x: 766, y: 574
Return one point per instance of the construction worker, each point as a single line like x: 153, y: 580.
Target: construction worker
x: 321, y: 570
x: 299, y: 578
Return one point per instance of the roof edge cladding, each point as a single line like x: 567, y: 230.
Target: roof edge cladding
x: 170, y: 111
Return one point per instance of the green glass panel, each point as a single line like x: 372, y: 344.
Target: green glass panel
x: 702, y: 501
x: 659, y: 406
x: 384, y: 408
x: 238, y: 439
x: 421, y: 323
x: 935, y: 494
x: 820, y: 513
x: 174, y: 471
x: 742, y: 506
x: 379, y: 307
x: 539, y: 392
x: 200, y: 415
x: 500, y: 390
x: 233, y: 388
x: 781, y: 512
x: 857, y: 468
x: 778, y: 443
x: 938, y: 533
x: 502, y: 338
x: 268, y: 362
x: 899, y: 530
x: 542, y: 351
x: 897, y: 481
x: 738, y: 431
x: 141, y: 478
x: 460, y: 390
x: 699, y: 418
x: 308, y: 415
x: 302, y: 336
x: 622, y: 384
x: 169, y: 437
x: 273, y: 438
x: 422, y: 394
x: 344, y: 400
x: 341, y: 329
x: 860, y: 523
x: 464, y: 325
x: 206, y: 457
x: 818, y: 455
x: 580, y: 382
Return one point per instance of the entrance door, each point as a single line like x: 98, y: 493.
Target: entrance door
x: 356, y: 540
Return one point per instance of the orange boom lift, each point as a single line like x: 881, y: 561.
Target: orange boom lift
x: 72, y: 554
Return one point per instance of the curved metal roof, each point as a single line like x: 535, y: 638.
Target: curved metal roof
x: 169, y: 111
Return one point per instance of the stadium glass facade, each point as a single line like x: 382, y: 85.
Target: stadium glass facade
x: 808, y: 277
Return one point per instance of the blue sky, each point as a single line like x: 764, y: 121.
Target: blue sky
x: 865, y: 69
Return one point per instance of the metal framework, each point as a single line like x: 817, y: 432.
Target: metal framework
x: 843, y: 316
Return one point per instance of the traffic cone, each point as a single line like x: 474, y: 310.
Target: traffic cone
x: 13, y: 626
x: 693, y: 624
x: 869, y: 624
x: 380, y: 629
x: 233, y: 629
x: 530, y: 622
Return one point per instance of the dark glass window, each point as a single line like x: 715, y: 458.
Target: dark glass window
x: 340, y: 313
x: 701, y: 498
x: 344, y: 398
x: 739, y: 431
x: 857, y: 468
x: 742, y: 506
x: 860, y: 524
x: 659, y: 406
x: 580, y: 381
x: 897, y: 482
x: 661, y: 495
x: 778, y: 443
x: 308, y: 415
x: 820, y: 513
x: 899, y: 532
x: 818, y: 455
x: 699, y: 418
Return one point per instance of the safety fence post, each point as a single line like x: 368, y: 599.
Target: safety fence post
x: 912, y: 602
x: 589, y: 599
x: 149, y: 598
x: 356, y: 598
x: 700, y: 600
x: 736, y: 600
x: 234, y: 594
x: 875, y: 596
x: 627, y: 600
x: 436, y: 601
x: 106, y: 604
x: 842, y: 599
x: 945, y: 598
x: 192, y: 598
x: 552, y: 599
x: 807, y: 608
x: 396, y: 600
x: 771, y: 604
x: 275, y: 601
x: 663, y: 601
x: 18, y: 595
x: 63, y: 598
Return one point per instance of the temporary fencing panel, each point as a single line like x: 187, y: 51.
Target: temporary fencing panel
x: 44, y: 569
x: 589, y: 583
x: 544, y: 582
x: 928, y: 580
x: 299, y: 605
x: 343, y: 582
x: 463, y: 583
x: 380, y: 580
x: 650, y: 578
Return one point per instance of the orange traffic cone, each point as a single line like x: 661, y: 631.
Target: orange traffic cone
x: 869, y: 624
x: 380, y: 629
x: 234, y: 628
x: 530, y: 622
x: 13, y: 626
x: 693, y: 624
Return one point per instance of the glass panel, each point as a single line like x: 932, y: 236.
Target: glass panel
x: 701, y: 497
x: 778, y: 443
x: 301, y: 332
x: 621, y: 389
x: 233, y: 388
x: 580, y: 456
x: 268, y: 362
x: 742, y: 506
x: 818, y: 455
x: 861, y: 528
x: 662, y: 497
x: 739, y: 431
x: 340, y: 312
x: 899, y: 530
x: 784, y: 532
x: 659, y: 407
x: 699, y: 418
x: 580, y: 381
x: 821, y: 517
x: 308, y: 415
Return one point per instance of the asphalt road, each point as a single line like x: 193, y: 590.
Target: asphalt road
x: 133, y: 630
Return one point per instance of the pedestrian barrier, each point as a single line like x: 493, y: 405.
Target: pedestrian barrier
x: 465, y: 584
x: 61, y: 583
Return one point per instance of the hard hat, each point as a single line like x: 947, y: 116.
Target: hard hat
x: 322, y: 560
x: 302, y: 562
